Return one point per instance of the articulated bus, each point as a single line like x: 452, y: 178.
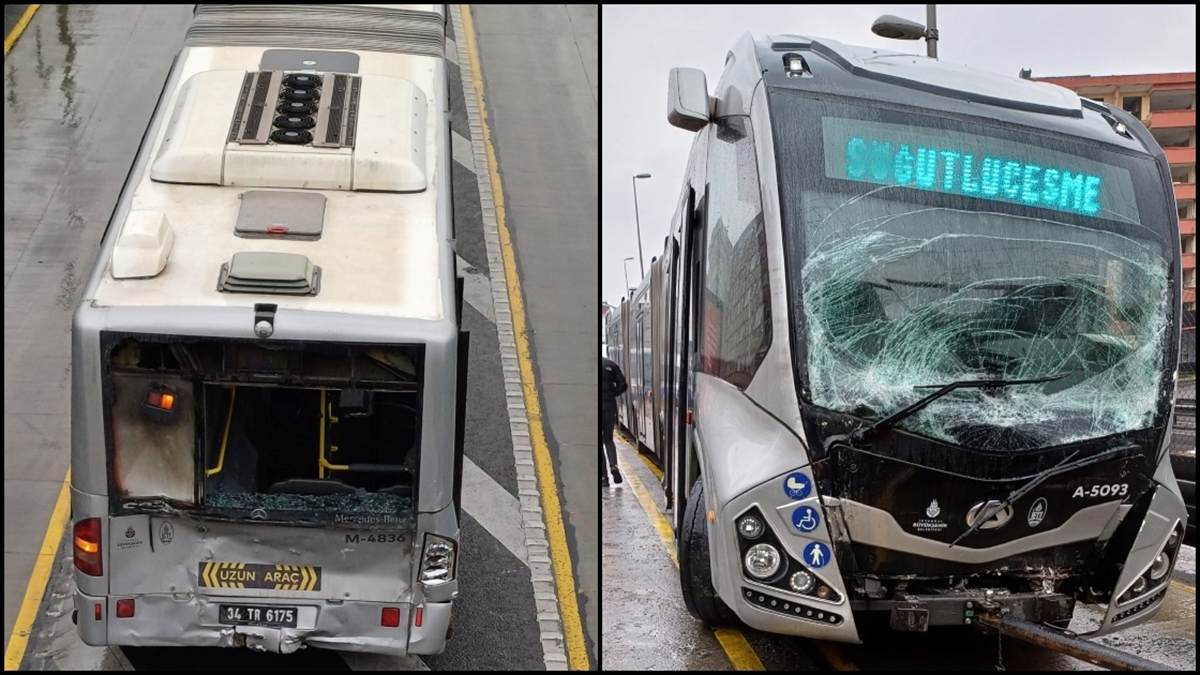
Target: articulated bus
x: 918, y: 344
x: 268, y: 371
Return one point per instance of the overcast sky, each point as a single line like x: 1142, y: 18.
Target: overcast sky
x: 640, y: 44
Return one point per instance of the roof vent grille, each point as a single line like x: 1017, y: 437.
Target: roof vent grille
x: 303, y: 101
x: 270, y: 273
x: 291, y: 136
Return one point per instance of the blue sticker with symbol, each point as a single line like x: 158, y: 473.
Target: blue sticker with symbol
x: 816, y: 554
x: 806, y: 519
x: 797, y: 486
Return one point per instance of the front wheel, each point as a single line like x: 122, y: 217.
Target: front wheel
x: 695, y: 569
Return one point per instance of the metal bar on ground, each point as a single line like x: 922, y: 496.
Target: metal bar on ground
x: 1092, y: 652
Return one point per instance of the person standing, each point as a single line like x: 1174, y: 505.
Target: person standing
x: 612, y: 385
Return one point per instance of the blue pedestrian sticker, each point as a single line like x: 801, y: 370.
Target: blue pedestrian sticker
x: 816, y: 554
x: 806, y: 519
x: 797, y: 486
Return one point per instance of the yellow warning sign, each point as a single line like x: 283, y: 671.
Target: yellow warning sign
x: 259, y: 575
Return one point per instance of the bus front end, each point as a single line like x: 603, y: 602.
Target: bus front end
x: 951, y: 394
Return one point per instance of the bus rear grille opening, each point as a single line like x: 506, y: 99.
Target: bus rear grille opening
x: 294, y: 432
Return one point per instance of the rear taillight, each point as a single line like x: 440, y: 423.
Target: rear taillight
x: 437, y: 562
x: 390, y: 617
x: 87, y: 547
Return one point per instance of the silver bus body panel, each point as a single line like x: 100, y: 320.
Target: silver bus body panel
x: 1167, y: 512
x: 869, y: 525
x: 773, y: 386
x: 743, y: 445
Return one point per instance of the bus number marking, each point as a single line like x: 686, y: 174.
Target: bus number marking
x: 1114, y: 490
x: 383, y: 538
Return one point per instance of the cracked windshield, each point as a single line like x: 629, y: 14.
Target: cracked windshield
x: 931, y: 255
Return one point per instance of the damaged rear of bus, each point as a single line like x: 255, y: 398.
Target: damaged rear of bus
x: 268, y: 366
x: 935, y: 316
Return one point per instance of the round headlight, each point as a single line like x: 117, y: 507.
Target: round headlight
x: 1173, y: 539
x: 1160, y: 566
x: 750, y: 527
x: 762, y: 561
x: 801, y: 582
x: 1139, y: 586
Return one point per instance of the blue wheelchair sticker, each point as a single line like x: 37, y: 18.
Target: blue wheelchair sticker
x: 797, y: 486
x: 806, y: 519
x: 816, y: 554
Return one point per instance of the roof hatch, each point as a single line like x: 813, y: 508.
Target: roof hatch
x: 281, y: 215
x: 278, y: 273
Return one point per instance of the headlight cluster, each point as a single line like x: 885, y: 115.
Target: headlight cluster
x: 1159, y: 570
x: 764, y: 561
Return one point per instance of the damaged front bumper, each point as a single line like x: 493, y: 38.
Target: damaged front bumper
x: 917, y: 613
x: 170, y: 621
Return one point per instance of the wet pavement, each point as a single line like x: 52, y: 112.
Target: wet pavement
x: 646, y: 625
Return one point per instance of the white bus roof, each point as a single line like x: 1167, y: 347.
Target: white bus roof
x: 379, y: 252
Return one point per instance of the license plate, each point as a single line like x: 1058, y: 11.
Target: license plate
x: 258, y: 615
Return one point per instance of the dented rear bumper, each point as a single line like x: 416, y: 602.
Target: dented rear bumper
x: 192, y: 620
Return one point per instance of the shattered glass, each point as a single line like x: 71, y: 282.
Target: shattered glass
x: 348, y: 504
x: 898, y: 295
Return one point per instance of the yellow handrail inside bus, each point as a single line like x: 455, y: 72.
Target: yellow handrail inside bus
x: 322, y: 463
x: 208, y: 473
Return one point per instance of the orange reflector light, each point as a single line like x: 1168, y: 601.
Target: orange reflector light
x: 85, y: 546
x: 712, y: 516
x: 168, y: 401
x: 418, y: 616
x: 99, y: 613
x: 86, y: 537
x: 823, y: 592
x: 390, y: 618
x: 125, y: 609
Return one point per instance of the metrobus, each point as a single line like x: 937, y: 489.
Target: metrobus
x: 919, y: 328
x: 268, y: 366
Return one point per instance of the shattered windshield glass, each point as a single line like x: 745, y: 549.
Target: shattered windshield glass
x: 908, y: 279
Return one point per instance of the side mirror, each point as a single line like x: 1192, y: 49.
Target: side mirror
x: 687, y: 99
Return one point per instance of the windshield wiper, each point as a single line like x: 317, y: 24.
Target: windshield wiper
x: 863, y: 434
x: 1062, y: 467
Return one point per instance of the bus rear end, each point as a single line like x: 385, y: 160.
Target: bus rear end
x: 265, y: 494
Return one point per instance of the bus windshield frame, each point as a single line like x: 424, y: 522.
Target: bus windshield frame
x: 895, y: 286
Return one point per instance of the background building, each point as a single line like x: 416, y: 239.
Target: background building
x: 1166, y: 104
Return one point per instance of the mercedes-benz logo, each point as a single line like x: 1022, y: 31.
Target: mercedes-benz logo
x: 258, y: 514
x: 999, y: 519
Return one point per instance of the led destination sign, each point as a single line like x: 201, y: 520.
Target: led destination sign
x: 974, y: 166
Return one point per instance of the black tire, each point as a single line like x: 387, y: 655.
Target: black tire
x: 695, y: 569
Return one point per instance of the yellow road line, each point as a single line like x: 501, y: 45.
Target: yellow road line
x: 737, y: 649
x: 41, y: 576
x: 11, y: 38
x: 1183, y: 586
x: 834, y: 656
x: 564, y: 575
x: 656, y: 519
x: 645, y: 460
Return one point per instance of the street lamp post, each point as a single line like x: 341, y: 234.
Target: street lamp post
x: 626, y: 266
x: 638, y: 220
x: 897, y: 28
